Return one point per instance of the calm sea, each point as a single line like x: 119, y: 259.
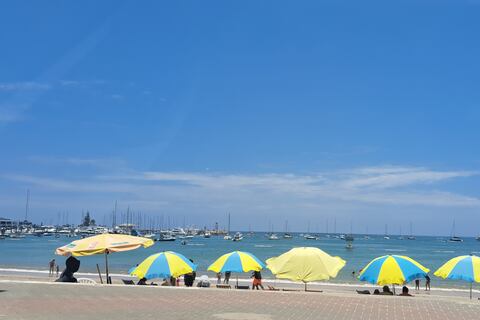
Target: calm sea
x: 432, y: 252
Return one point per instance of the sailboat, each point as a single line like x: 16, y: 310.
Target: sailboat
x: 411, y: 236
x: 386, y: 237
x: 349, y: 239
x: 366, y: 237
x: 287, y: 235
x: 308, y: 236
x: 453, y: 237
x: 400, y: 237
x: 228, y: 236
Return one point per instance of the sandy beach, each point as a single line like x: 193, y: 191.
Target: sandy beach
x: 29, y: 299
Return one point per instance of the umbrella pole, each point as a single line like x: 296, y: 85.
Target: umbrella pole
x: 237, y: 281
x: 471, y: 290
x: 106, y: 266
x: 305, y: 286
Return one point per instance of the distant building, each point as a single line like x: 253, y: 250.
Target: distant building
x: 6, y: 223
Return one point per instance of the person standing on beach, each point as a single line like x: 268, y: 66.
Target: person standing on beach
x: 58, y: 270
x: 51, y: 271
x: 226, y: 280
x: 427, y: 283
x: 219, y: 277
x: 417, y: 284
x: 257, y: 280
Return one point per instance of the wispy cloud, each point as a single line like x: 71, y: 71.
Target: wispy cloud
x: 374, y: 185
x: 24, y: 86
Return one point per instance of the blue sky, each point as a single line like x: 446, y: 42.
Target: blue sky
x: 271, y: 110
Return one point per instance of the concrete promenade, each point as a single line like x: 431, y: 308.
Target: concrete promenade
x: 72, y: 301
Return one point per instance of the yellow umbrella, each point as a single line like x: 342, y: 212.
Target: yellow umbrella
x: 103, y: 244
x: 305, y: 264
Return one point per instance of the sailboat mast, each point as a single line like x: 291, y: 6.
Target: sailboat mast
x: 27, y: 204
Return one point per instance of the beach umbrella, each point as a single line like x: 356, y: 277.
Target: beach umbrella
x: 163, y: 265
x: 305, y: 264
x: 237, y: 261
x: 392, y: 269
x: 103, y: 244
x: 466, y: 268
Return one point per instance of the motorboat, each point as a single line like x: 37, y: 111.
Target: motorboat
x: 273, y: 236
x: 237, y: 237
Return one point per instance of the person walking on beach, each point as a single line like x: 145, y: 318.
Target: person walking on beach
x: 427, y: 283
x: 417, y: 284
x: 51, y: 271
x: 257, y: 280
x: 226, y: 280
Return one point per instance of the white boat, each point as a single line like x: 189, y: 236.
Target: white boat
x: 228, y: 236
x: 273, y: 236
x: 237, y: 237
x: 386, y: 237
x: 287, y: 236
x: 310, y: 237
x: 453, y: 237
x: 207, y: 235
x: 411, y: 236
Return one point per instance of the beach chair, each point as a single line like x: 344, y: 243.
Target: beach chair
x: 363, y: 291
x: 242, y: 287
x: 128, y: 282
x: 224, y: 286
x: 86, y: 281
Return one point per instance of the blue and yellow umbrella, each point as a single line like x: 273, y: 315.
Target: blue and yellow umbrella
x: 392, y: 269
x: 163, y: 265
x: 466, y: 268
x: 237, y: 261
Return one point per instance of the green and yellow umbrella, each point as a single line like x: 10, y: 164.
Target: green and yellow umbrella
x: 237, y: 261
x: 392, y: 269
x: 466, y: 268
x: 163, y: 265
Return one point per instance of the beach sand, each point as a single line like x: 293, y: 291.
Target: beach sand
x: 24, y: 296
x: 20, y: 300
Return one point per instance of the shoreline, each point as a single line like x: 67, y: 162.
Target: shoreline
x: 20, y: 275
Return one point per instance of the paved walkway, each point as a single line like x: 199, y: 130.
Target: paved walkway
x: 70, y: 301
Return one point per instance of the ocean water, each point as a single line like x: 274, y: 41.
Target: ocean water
x: 35, y: 253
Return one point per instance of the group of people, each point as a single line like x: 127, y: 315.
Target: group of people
x: 427, y: 283
x: 386, y: 292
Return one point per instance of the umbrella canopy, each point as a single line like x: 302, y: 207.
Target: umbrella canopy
x: 163, y: 265
x: 392, y: 269
x: 466, y: 268
x: 237, y: 261
x: 305, y: 264
x: 103, y: 243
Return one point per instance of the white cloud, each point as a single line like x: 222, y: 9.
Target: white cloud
x: 24, y: 86
x: 364, y: 185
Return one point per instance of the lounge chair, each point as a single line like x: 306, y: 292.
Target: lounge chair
x: 242, y: 287
x: 128, y: 282
x: 224, y: 286
x: 363, y: 291
x: 86, y: 281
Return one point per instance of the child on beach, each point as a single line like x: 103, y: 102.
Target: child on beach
x: 427, y: 283
x: 219, y: 277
